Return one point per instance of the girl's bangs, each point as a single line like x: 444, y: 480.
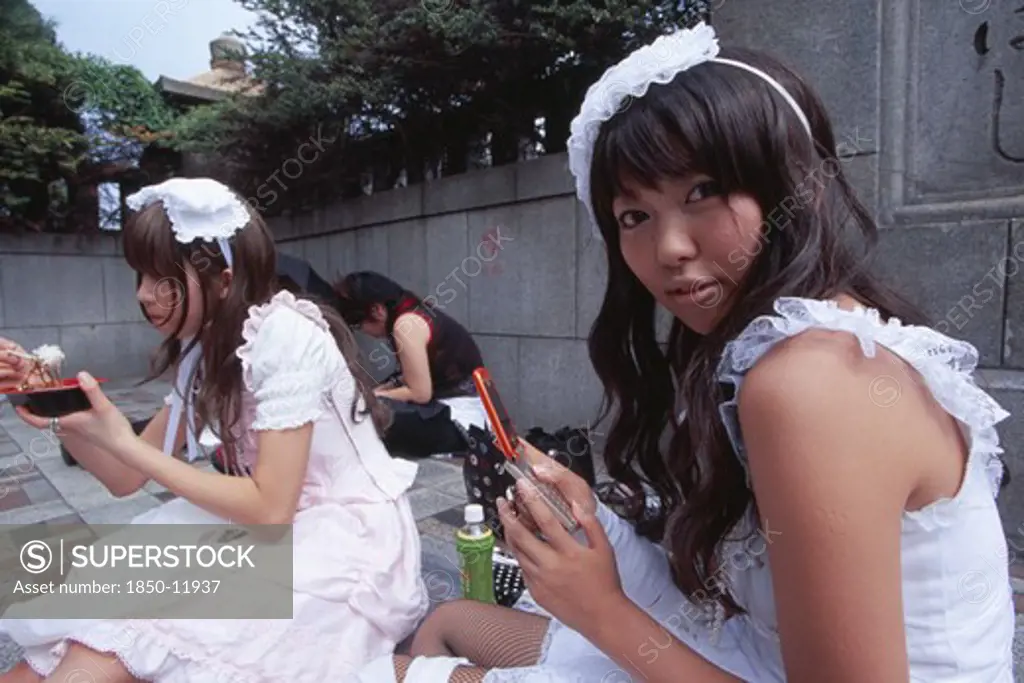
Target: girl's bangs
x: 648, y: 142
x: 149, y: 244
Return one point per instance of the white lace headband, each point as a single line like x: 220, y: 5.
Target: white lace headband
x: 198, y: 208
x: 659, y: 62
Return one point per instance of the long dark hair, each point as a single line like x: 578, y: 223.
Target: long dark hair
x: 150, y: 248
x: 358, y: 292
x: 721, y: 121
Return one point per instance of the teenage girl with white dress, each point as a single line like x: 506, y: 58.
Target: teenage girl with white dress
x: 827, y: 467
x: 276, y: 378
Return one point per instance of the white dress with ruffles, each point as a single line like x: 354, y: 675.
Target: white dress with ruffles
x: 357, y: 584
x: 957, y: 601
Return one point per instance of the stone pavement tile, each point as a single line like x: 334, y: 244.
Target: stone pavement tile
x: 8, y: 446
x: 431, y: 472
x: 39, y: 490
x: 17, y: 471
x: 36, y: 445
x: 35, y: 513
x: 453, y: 517
x: 121, y: 512
x: 73, y: 518
x: 431, y: 526
x: 19, y: 463
x: 13, y: 498
x: 78, y: 488
x: 426, y: 502
x: 455, y: 488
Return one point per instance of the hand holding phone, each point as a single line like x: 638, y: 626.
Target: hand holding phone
x: 516, y: 462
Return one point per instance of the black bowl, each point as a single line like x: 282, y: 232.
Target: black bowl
x: 51, y: 402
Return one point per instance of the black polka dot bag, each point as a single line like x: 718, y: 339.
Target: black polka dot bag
x: 483, y: 472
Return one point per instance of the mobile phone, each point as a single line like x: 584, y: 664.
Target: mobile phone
x: 509, y: 443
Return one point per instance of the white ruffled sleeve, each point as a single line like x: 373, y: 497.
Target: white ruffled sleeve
x: 288, y: 360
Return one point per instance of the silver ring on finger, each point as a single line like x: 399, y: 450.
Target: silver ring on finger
x: 55, y: 425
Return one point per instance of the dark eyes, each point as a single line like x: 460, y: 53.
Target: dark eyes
x: 701, y: 191
x: 631, y: 218
x: 708, y: 188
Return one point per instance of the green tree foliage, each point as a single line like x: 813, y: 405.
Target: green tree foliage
x: 67, y: 122
x: 120, y: 106
x: 41, y: 139
x: 415, y: 84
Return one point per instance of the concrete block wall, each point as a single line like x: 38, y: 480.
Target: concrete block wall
x: 505, y: 251
x: 77, y: 292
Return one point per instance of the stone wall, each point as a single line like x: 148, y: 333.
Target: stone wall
x: 77, y: 292
x: 934, y: 93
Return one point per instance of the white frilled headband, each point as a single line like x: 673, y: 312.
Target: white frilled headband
x: 198, y: 208
x: 658, y: 62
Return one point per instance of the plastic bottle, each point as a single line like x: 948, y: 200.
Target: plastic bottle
x: 475, y: 544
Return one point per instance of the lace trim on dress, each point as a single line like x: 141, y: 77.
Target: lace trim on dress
x: 946, y: 366
x: 287, y: 368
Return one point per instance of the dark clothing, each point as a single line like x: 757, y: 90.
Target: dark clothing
x: 451, y: 352
x: 422, y: 429
x: 299, y: 277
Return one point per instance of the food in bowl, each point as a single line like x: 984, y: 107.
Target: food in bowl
x: 55, y: 401
x: 45, y: 365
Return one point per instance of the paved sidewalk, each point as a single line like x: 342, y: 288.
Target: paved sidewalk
x: 38, y: 490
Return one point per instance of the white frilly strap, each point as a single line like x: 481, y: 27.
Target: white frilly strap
x: 180, y: 398
x: 225, y: 249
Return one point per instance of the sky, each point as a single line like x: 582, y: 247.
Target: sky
x: 159, y: 37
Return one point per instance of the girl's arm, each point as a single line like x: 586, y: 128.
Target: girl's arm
x: 288, y: 366
x: 269, y: 496
x: 585, y: 584
x: 645, y: 649
x: 119, y: 478
x: 412, y: 334
x: 833, y: 471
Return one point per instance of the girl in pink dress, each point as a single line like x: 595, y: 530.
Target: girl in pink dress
x: 278, y: 374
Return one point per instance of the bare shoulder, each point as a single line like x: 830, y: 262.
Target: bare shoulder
x: 819, y: 391
x: 822, y: 370
x: 412, y: 324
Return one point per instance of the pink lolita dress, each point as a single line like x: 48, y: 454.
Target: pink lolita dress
x: 357, y: 585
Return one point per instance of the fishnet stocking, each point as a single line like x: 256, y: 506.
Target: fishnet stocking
x: 467, y: 674
x: 487, y: 635
x: 490, y: 636
x: 402, y: 663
